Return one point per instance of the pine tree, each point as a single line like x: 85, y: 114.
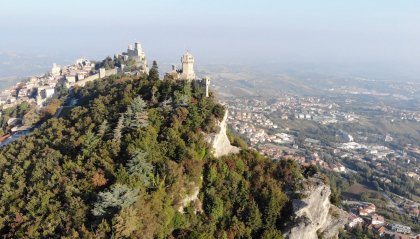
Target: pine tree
x: 138, y: 105
x: 90, y: 143
x: 154, y: 72
x: 103, y: 128
x: 140, y: 168
x: 136, y: 116
x: 120, y: 196
x: 118, y: 129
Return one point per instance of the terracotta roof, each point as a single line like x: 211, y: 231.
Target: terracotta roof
x: 4, y: 138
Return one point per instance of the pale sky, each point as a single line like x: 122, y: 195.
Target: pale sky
x: 355, y: 33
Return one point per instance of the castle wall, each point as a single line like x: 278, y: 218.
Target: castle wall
x: 87, y: 79
x: 96, y: 76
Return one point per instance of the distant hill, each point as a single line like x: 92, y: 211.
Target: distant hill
x: 241, y: 80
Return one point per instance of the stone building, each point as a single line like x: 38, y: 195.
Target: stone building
x: 138, y: 55
x: 187, y: 70
x: 187, y: 73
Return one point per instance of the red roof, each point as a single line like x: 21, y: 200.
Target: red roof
x: 4, y: 138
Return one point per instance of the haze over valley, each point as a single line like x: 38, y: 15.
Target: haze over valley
x: 210, y: 119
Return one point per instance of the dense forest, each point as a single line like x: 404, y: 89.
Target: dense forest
x: 122, y: 161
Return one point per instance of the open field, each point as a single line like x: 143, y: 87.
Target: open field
x: 356, y: 190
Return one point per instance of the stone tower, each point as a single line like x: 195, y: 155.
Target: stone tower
x: 187, y: 67
x: 206, y: 84
x: 137, y: 46
x: 138, y: 55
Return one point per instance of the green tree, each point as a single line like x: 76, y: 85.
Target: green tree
x: 109, y: 202
x: 154, y: 72
x: 140, y: 168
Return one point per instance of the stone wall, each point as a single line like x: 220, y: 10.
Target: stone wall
x: 95, y: 77
x: 87, y: 79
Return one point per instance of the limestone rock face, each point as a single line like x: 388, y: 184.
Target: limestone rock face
x: 314, y: 215
x: 191, y: 198
x: 219, y: 141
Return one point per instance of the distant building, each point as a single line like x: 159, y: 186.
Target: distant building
x: 401, y: 228
x: 364, y: 211
x: 138, y: 55
x: 70, y: 80
x: 379, y: 230
x: 377, y: 219
x: 187, y: 71
x: 414, y: 212
x: 354, y: 220
x: 44, y: 93
x: 55, y: 70
x: 338, y: 167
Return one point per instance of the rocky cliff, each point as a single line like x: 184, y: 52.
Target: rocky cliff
x: 314, y: 215
x: 191, y: 198
x: 219, y: 141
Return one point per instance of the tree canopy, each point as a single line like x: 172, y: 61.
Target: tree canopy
x: 122, y: 161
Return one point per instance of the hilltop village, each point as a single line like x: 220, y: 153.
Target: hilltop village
x: 22, y: 105
x: 39, y: 89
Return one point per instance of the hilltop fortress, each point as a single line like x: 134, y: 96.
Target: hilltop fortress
x: 39, y: 90
x: 187, y: 72
x: 137, y: 54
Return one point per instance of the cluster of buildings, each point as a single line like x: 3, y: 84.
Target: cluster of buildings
x: 35, y: 90
x: 248, y: 119
x: 410, y: 116
x: 254, y: 126
x: 39, y: 89
x: 367, y: 217
x: 311, y: 108
x: 375, y: 152
x: 257, y: 119
x: 80, y: 73
x: 251, y: 119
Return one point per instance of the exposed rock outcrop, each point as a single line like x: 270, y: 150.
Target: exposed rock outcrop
x: 191, y: 198
x: 219, y: 141
x: 314, y: 215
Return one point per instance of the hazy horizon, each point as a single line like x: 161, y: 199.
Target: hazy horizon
x: 373, y: 39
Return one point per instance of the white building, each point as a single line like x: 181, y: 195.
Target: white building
x: 354, y: 220
x: 55, y: 70
x: 401, y: 228
x: 70, y: 80
x: 377, y: 219
x: 44, y: 93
